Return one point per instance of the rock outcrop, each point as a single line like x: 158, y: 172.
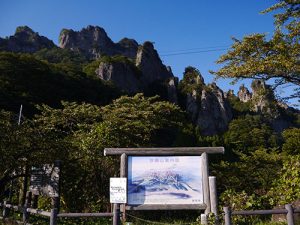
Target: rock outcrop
x: 122, y: 74
x: 263, y: 99
x: 215, y: 111
x: 207, y: 105
x: 151, y: 66
x: 244, y: 94
x: 172, y: 90
x: 137, y: 76
x: 25, y: 40
x: 93, y: 42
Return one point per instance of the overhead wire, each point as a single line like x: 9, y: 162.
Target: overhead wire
x: 191, y: 50
x: 194, y: 52
x: 198, y: 48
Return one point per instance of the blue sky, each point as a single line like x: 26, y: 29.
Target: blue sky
x: 172, y: 25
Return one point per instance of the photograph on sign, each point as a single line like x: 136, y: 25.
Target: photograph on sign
x: 164, y: 180
x: 117, y: 190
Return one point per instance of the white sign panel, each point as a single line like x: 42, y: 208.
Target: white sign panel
x: 118, y: 190
x: 164, y: 180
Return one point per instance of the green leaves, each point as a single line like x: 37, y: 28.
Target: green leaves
x: 276, y: 58
x: 286, y: 189
x: 292, y: 141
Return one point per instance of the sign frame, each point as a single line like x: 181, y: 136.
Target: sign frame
x: 181, y: 151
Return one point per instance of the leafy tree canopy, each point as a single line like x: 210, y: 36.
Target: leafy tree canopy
x: 276, y: 58
x: 28, y: 81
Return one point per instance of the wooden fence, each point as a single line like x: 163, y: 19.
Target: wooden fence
x: 54, y: 215
x: 289, y: 211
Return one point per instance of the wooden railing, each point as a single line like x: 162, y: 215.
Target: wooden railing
x: 54, y: 215
x: 289, y: 211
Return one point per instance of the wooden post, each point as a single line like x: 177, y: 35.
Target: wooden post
x: 116, y: 217
x: 10, y: 193
x: 56, y: 199
x: 6, y: 210
x: 26, y: 205
x: 24, y: 186
x: 206, y: 183
x: 35, y: 200
x: 53, y: 216
x: 213, y: 196
x: 123, y: 173
x: 56, y: 203
x: 290, y: 214
x: 203, y: 219
x: 227, y: 216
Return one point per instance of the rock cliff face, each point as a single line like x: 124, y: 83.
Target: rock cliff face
x: 25, y: 40
x: 263, y: 102
x: 121, y: 74
x: 244, y: 94
x: 215, y: 111
x: 93, y: 42
x: 207, y: 105
x: 148, y: 61
x: 263, y: 99
x: 172, y: 90
x: 138, y: 76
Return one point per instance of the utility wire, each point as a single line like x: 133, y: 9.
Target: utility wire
x: 194, y: 52
x: 199, y: 48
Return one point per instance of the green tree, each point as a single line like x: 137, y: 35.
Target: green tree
x: 249, y: 133
x: 277, y: 58
x: 291, y: 143
x: 78, y: 133
x: 286, y: 189
x: 28, y: 81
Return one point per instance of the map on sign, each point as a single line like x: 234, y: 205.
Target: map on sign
x: 164, y: 180
x: 118, y: 190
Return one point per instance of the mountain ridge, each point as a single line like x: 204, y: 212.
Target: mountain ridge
x: 142, y: 70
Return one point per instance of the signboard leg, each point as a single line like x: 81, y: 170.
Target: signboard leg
x: 35, y: 201
x: 53, y: 217
x: 123, y: 173
x: 116, y: 218
x: 206, y: 183
x: 26, y: 205
x: 55, y: 203
x: 6, y: 210
x: 213, y: 196
x: 203, y: 219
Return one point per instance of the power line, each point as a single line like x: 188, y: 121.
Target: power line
x: 194, y: 52
x: 199, y: 48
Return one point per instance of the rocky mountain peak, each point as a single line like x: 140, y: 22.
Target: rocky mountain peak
x: 25, y: 40
x: 207, y: 105
x: 244, y: 94
x: 24, y: 30
x: 263, y: 99
x: 91, y: 41
x: 94, y: 42
x: 193, y: 76
x: 150, y: 64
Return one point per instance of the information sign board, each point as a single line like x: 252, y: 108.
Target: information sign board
x: 44, y: 180
x: 118, y: 190
x: 165, y: 180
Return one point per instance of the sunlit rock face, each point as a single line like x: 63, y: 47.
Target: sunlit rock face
x: 93, y: 42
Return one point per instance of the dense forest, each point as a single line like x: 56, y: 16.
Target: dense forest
x: 71, y: 113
